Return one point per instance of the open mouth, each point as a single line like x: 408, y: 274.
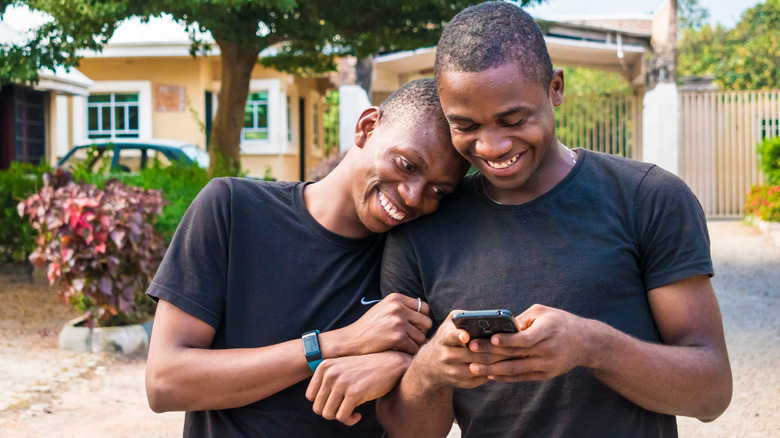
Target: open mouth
x: 390, y: 209
x: 502, y: 164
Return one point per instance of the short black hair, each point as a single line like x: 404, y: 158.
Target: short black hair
x: 490, y: 35
x: 413, y: 100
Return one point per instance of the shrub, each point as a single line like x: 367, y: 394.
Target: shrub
x: 100, y: 247
x: 763, y: 202
x: 769, y: 159
x: 17, y: 238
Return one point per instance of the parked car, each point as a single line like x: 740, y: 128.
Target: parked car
x: 132, y: 154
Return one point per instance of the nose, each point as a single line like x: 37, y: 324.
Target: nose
x: 493, y: 144
x: 412, y: 193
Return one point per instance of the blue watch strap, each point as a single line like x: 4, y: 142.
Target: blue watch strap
x: 311, y: 349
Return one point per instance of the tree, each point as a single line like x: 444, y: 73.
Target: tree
x: 308, y: 35
x: 746, y: 57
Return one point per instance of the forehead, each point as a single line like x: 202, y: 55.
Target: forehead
x: 498, y: 88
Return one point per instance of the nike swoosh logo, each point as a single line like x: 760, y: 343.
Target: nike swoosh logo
x: 366, y: 302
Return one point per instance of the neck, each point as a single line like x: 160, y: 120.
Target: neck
x: 330, y: 203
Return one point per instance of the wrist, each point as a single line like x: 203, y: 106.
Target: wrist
x: 332, y: 344
x: 423, y: 372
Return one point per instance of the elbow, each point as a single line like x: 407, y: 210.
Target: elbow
x: 718, y: 398
x: 159, y: 394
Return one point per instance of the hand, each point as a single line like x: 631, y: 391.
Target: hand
x: 340, y: 385
x: 551, y: 342
x: 445, y: 359
x: 392, y: 324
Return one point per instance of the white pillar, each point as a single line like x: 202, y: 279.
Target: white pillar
x: 61, y: 120
x: 661, y: 127
x: 353, y: 99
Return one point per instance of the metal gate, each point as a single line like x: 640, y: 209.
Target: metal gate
x: 719, y: 132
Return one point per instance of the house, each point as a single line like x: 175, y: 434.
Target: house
x: 27, y: 113
x: 145, y: 84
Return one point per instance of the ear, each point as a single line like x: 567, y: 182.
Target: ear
x: 365, y: 125
x: 556, y: 87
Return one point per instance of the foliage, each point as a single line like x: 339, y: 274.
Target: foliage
x: 99, y: 245
x: 763, y: 202
x: 769, y: 159
x: 17, y: 238
x: 746, y: 57
x: 582, y: 81
x: 691, y: 15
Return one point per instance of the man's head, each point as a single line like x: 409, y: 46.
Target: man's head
x: 498, y: 92
x: 403, y: 162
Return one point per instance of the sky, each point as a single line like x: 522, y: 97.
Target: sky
x: 725, y: 12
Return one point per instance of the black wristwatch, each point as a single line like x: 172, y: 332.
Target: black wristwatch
x: 311, y: 349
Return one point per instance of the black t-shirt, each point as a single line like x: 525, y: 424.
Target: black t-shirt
x: 250, y: 260
x: 594, y: 245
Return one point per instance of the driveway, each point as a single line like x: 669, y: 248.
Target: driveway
x: 46, y: 391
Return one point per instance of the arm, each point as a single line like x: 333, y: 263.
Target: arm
x: 183, y: 373
x: 421, y: 405
x: 689, y: 374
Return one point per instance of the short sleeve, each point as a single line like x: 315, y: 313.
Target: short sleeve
x: 400, y: 266
x: 672, y: 229
x: 192, y: 275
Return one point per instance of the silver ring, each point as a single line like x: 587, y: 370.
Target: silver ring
x: 419, y: 304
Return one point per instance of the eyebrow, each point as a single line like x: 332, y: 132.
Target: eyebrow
x: 420, y: 159
x: 509, y: 112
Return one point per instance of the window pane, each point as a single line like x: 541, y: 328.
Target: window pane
x: 261, y: 96
x: 95, y: 98
x: 130, y: 159
x: 126, y: 98
x: 249, y: 116
x: 119, y: 117
x: 105, y: 123
x: 92, y: 117
x: 255, y: 135
x: 132, y: 112
x: 262, y: 116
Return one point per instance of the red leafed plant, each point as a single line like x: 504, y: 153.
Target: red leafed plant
x: 100, y: 247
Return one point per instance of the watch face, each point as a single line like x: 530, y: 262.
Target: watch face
x: 310, y: 344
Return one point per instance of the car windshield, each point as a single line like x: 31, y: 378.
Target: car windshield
x: 196, y: 154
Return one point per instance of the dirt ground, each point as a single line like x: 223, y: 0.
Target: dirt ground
x: 46, y: 391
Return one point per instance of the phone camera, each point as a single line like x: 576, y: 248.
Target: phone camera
x: 485, y: 326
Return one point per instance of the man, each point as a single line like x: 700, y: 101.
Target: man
x: 604, y: 260
x: 255, y: 265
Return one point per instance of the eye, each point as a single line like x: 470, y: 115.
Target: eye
x: 403, y: 163
x: 514, y: 121
x: 468, y: 128
x: 438, y: 192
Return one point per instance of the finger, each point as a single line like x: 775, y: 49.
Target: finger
x: 314, y: 385
x: 331, y: 405
x: 415, y: 334
x: 420, y: 320
x: 503, y: 344
x: 511, y: 368
x: 411, y: 303
x: 346, y: 412
x: 322, y: 396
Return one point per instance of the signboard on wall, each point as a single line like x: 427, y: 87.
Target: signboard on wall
x: 169, y: 98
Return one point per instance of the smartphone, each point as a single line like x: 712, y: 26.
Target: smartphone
x: 485, y: 323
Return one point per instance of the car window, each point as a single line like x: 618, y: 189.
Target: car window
x: 130, y: 159
x: 196, y: 154
x: 157, y: 157
x: 95, y: 159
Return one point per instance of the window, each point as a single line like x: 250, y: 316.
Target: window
x: 113, y: 115
x: 256, y: 117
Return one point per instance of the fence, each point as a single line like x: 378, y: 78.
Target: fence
x: 604, y: 123
x: 718, y: 133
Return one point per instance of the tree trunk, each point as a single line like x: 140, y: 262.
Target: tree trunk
x: 225, y: 149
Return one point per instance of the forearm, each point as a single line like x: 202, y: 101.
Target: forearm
x: 416, y: 407
x: 689, y: 380
x: 194, y: 379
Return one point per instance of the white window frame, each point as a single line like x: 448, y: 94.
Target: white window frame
x: 277, y: 142
x: 144, y: 90
x: 112, y: 105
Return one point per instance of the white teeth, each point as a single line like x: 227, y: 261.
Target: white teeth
x: 503, y: 164
x: 390, y: 208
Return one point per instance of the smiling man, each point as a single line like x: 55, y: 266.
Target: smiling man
x: 605, y: 261
x: 268, y: 283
